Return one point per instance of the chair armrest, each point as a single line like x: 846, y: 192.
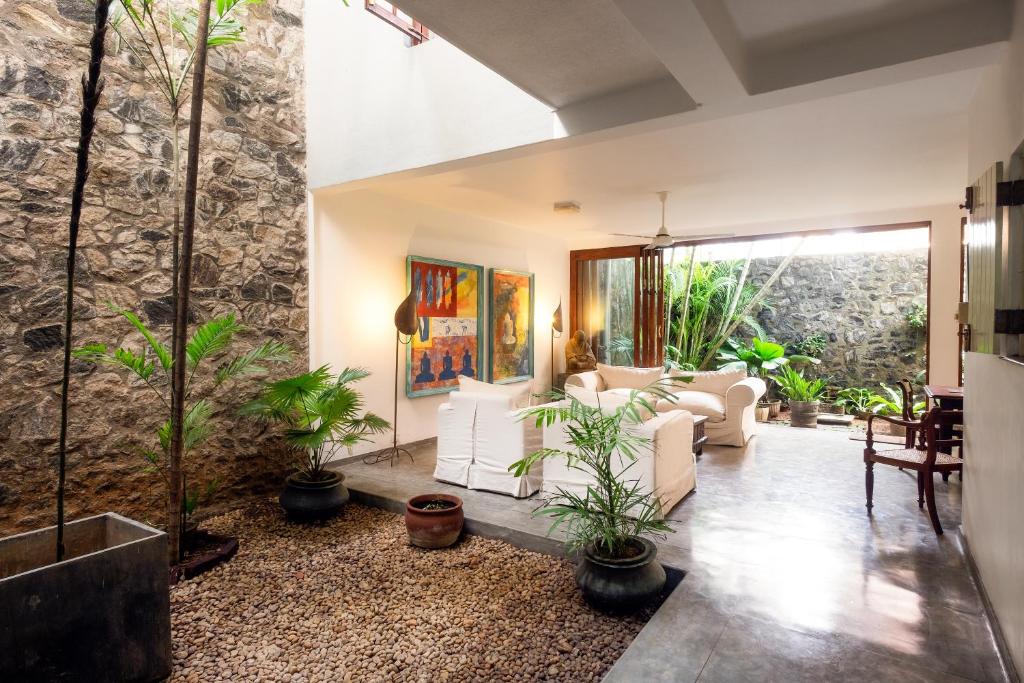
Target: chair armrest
x: 746, y: 392
x: 912, y: 425
x: 588, y: 380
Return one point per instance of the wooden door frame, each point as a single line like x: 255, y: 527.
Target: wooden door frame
x: 575, y: 256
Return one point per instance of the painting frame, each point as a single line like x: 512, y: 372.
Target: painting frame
x: 492, y: 323
x: 481, y: 356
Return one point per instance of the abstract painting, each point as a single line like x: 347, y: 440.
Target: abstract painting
x: 449, y: 337
x: 511, y: 326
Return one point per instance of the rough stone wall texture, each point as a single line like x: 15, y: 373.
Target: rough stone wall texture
x: 859, y: 302
x: 250, y: 250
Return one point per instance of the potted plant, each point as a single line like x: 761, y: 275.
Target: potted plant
x: 761, y: 359
x: 319, y: 413
x: 434, y: 520
x: 804, y: 396
x: 609, y: 526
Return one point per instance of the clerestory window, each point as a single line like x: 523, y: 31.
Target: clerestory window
x: 416, y: 31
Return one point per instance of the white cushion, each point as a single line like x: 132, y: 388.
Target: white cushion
x: 617, y: 377
x: 710, y: 381
x: 518, y: 394
x: 609, y: 401
x: 697, y: 402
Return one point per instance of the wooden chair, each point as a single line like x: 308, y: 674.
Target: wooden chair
x: 925, y: 457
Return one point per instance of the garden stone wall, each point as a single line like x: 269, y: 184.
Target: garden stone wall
x: 859, y: 302
x: 250, y: 250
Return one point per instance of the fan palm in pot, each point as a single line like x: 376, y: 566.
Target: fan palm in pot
x: 609, y: 526
x: 319, y: 413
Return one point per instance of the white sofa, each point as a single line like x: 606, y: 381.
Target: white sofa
x: 478, y: 436
x: 667, y: 467
x: 726, y: 397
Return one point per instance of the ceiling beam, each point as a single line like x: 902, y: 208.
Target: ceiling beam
x: 682, y: 38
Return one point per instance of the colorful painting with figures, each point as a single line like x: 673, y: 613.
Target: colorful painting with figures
x: 449, y: 338
x: 511, y: 326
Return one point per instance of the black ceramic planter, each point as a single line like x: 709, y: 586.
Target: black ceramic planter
x: 620, y: 586
x: 313, y: 501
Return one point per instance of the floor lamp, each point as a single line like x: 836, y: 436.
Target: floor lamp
x: 405, y: 324
x: 556, y: 333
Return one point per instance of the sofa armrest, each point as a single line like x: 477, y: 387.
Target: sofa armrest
x: 746, y: 392
x: 588, y: 380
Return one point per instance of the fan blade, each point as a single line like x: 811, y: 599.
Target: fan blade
x: 623, y: 234
x: 702, y: 236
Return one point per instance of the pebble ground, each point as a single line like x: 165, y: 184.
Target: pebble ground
x: 351, y: 601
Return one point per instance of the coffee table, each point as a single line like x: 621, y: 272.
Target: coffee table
x: 698, y: 434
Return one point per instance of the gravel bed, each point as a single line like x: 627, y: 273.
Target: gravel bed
x: 352, y: 601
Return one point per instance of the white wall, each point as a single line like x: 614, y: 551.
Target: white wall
x: 943, y: 363
x: 375, y: 106
x: 359, y: 244
x: 994, y: 388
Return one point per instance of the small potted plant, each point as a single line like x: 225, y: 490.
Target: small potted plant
x: 804, y: 397
x: 319, y: 413
x: 609, y: 526
x: 434, y: 520
x: 761, y: 359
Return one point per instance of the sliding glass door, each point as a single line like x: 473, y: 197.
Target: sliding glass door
x: 617, y: 300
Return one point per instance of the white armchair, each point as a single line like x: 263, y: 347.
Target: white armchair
x: 667, y: 467
x: 479, y: 436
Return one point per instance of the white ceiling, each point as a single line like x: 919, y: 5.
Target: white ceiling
x: 902, y: 145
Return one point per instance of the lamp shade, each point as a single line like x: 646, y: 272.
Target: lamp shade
x: 556, y: 319
x: 405, y: 315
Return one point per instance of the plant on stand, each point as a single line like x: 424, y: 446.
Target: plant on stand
x: 761, y: 359
x: 151, y: 33
x: 319, y: 413
x: 152, y: 367
x: 84, y: 600
x: 804, y: 396
x: 610, y: 524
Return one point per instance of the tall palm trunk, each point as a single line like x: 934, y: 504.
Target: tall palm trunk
x: 92, y: 88
x: 183, y: 285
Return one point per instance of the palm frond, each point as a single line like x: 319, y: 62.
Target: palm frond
x: 211, y: 338
x: 252, y: 361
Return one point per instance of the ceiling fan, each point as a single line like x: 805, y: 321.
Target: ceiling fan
x: 663, y: 240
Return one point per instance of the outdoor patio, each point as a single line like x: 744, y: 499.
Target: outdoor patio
x: 786, y: 578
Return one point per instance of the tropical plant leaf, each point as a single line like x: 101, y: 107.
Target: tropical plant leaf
x: 211, y: 338
x: 159, y: 350
x: 252, y: 361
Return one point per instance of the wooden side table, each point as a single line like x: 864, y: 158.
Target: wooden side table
x: 698, y: 434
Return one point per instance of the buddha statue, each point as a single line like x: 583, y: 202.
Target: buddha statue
x: 579, y: 357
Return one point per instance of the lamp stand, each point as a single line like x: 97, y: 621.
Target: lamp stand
x: 394, y: 452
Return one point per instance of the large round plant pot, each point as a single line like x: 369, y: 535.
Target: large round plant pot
x: 804, y: 414
x: 434, y: 520
x: 620, y: 585
x: 774, y: 408
x: 313, y: 501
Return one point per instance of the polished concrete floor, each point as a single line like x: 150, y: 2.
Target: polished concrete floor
x: 788, y: 579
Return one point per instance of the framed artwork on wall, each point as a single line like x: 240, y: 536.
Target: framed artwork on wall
x: 449, y: 337
x: 510, y: 328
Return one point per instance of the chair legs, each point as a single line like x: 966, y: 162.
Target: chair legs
x: 920, y: 490
x: 929, y: 495
x: 869, y: 482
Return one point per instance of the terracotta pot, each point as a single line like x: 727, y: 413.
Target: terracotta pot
x: 313, y: 501
x: 762, y: 412
x: 803, y: 414
x: 434, y: 528
x: 624, y: 585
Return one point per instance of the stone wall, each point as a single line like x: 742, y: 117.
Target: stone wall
x: 859, y: 302
x: 250, y: 250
